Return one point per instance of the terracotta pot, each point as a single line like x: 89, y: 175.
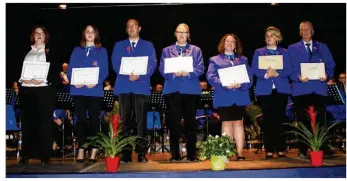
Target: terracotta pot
x: 316, y: 158
x: 112, y: 164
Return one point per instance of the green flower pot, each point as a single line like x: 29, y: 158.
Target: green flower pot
x: 218, y: 162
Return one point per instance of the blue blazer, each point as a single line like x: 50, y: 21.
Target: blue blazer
x: 97, y: 58
x: 222, y: 95
x: 123, y: 49
x: 264, y: 86
x: 183, y: 85
x: 299, y: 54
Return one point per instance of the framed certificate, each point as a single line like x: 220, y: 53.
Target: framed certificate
x: 35, y: 70
x: 134, y: 65
x: 85, y: 76
x: 273, y: 61
x: 313, y: 71
x: 178, y: 64
x: 233, y: 75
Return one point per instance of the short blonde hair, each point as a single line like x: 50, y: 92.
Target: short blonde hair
x: 188, y: 30
x: 274, y: 31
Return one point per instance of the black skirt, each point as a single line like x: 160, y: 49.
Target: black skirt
x: 231, y: 113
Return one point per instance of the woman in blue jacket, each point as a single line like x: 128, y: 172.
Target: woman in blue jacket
x: 183, y: 91
x: 87, y: 97
x: 231, y: 100
x: 273, y: 89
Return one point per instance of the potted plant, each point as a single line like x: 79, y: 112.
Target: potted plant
x: 314, y: 139
x: 218, y: 149
x: 113, y: 143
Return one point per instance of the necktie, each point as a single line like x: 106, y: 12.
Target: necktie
x: 308, y: 49
x: 133, y: 45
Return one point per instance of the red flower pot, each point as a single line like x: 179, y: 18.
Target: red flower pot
x: 112, y: 164
x: 316, y: 158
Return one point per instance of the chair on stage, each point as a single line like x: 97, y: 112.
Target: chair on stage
x: 12, y: 129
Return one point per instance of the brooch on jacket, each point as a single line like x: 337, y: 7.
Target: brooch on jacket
x: 95, y: 63
x: 128, y: 49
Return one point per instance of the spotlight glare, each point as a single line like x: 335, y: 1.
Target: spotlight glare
x: 62, y: 6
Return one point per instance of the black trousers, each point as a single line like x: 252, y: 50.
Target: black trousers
x: 301, y: 104
x: 37, y: 106
x: 274, y: 112
x: 182, y: 106
x: 129, y: 104
x: 58, y: 133
x: 87, y: 126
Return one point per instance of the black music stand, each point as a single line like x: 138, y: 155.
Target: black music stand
x: 65, y: 101
x: 334, y: 96
x: 157, y: 102
x: 9, y: 96
x: 252, y: 95
x: 206, y: 103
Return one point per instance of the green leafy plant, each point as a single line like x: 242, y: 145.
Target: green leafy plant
x: 314, y: 139
x: 114, y: 142
x: 111, y: 144
x: 216, y: 146
x: 254, y: 112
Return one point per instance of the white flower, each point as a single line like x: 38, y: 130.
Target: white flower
x: 217, y: 136
x: 224, y: 134
x: 221, y: 144
x: 227, y: 151
x: 209, y: 135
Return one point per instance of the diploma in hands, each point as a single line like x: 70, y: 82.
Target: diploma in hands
x: 35, y: 70
x: 313, y: 71
x: 134, y: 65
x: 233, y: 75
x: 273, y: 61
x: 178, y: 64
x: 85, y: 76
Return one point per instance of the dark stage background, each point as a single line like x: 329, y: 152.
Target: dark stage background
x: 208, y: 23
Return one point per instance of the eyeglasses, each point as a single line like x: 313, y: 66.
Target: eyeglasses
x: 181, y: 32
x: 37, y: 34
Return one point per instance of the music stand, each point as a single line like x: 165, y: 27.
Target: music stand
x: 65, y: 101
x: 9, y: 95
x: 206, y: 102
x: 252, y: 94
x: 108, y: 101
x: 334, y: 96
x: 157, y: 102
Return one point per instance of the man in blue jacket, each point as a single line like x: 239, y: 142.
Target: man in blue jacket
x: 309, y: 92
x: 133, y: 90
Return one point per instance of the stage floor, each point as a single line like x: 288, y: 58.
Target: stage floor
x: 158, y: 162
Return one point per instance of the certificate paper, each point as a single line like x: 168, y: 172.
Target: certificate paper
x: 85, y: 76
x: 312, y: 70
x: 233, y: 75
x: 35, y: 70
x: 178, y: 64
x: 134, y: 65
x: 273, y: 61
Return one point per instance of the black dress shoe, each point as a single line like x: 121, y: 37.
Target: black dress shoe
x: 281, y: 155
x: 23, y: 160
x: 44, y: 161
x: 175, y: 159
x: 142, y: 159
x: 241, y: 158
x: 126, y: 159
x: 93, y: 160
x: 269, y: 156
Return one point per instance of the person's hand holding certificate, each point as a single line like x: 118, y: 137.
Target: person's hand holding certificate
x: 273, y: 61
x: 233, y: 75
x: 134, y: 65
x: 35, y: 71
x: 178, y: 64
x: 312, y: 71
x: 85, y: 76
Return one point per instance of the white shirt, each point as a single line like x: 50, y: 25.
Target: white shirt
x: 131, y: 42
x: 265, y: 76
x: 309, y: 43
x: 35, y: 55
